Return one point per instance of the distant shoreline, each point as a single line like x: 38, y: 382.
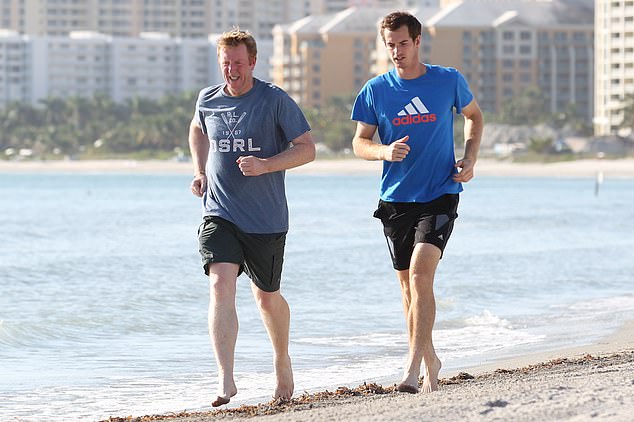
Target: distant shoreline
x: 622, y: 168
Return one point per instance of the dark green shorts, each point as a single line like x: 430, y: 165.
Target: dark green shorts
x: 260, y: 256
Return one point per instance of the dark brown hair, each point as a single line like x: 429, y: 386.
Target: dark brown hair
x: 395, y: 20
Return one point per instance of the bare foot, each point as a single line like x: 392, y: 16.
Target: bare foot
x: 406, y: 388
x: 409, y: 383
x: 430, y: 381
x: 224, y: 397
x: 284, y: 374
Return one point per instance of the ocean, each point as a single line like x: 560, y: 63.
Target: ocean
x: 103, y: 303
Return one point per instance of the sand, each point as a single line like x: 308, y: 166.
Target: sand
x: 591, y: 382
x: 485, y: 167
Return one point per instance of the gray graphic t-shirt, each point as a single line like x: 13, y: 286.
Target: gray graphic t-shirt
x: 261, y: 123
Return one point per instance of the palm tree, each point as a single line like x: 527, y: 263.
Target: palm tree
x: 628, y: 113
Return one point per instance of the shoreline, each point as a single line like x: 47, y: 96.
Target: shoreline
x: 618, y: 168
x: 574, y: 383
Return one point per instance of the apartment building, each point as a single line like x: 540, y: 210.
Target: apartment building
x: 323, y: 56
x: 14, y: 67
x: 87, y: 63
x: 154, y: 65
x: 126, y: 18
x: 505, y: 46
x: 614, y: 64
x: 129, y: 18
x: 130, y: 48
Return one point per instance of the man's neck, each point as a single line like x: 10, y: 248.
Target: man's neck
x: 413, y: 72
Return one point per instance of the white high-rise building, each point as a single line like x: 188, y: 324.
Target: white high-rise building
x: 85, y: 64
x: 14, y: 67
x: 614, y: 64
x: 131, y: 48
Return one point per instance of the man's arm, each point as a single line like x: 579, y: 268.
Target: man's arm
x: 364, y: 147
x: 199, y: 149
x: 302, y: 152
x: 473, y: 125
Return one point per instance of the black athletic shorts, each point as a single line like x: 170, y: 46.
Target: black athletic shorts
x: 260, y: 256
x: 407, y: 223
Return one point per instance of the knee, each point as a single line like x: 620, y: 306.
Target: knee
x: 220, y: 288
x: 421, y: 285
x: 268, y: 302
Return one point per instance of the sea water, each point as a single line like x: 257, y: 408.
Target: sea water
x: 103, y: 303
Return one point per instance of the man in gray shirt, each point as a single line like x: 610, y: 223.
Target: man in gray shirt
x: 244, y: 135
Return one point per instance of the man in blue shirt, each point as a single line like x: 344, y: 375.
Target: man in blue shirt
x: 245, y: 133
x: 412, y: 107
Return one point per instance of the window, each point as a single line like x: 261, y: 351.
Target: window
x: 561, y: 36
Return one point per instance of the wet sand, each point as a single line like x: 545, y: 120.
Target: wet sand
x: 575, y: 384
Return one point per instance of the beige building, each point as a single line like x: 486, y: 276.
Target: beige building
x: 324, y: 56
x: 505, y: 46
x: 178, y: 18
x: 502, y: 47
x: 614, y: 64
x: 327, y: 55
x: 113, y: 17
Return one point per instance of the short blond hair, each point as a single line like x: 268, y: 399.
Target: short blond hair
x: 235, y: 37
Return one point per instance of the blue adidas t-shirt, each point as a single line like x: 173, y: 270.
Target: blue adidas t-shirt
x: 261, y: 123
x: 423, y: 109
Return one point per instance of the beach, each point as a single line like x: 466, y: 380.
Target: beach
x: 593, y: 382
x: 484, y: 167
x: 501, y: 298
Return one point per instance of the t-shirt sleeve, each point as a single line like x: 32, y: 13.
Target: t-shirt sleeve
x: 291, y: 119
x: 363, y: 107
x: 200, y: 116
x: 463, y: 93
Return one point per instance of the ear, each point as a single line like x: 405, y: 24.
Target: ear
x: 252, y: 61
x: 417, y: 41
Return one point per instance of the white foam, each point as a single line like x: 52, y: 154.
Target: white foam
x: 369, y: 340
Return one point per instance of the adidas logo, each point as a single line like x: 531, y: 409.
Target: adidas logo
x: 414, y: 112
x: 415, y: 106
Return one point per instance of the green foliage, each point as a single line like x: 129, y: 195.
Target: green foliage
x: 540, y: 145
x: 97, y: 126
x: 331, y: 123
x: 527, y: 108
x: 628, y: 113
x: 530, y: 107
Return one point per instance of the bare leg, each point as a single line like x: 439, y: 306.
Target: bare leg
x: 223, y: 326
x: 417, y: 287
x: 276, y: 316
